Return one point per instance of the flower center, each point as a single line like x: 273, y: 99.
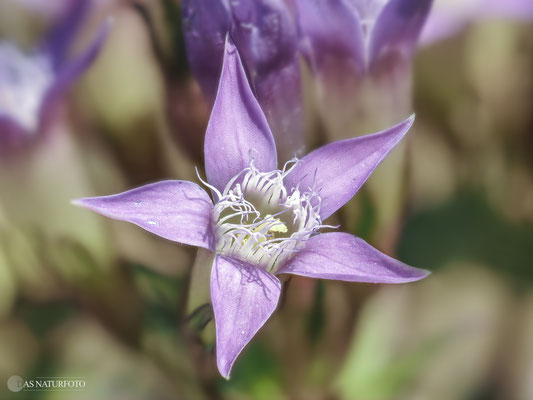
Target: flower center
x: 23, y: 83
x: 260, y: 222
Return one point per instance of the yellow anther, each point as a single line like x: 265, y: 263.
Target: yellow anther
x: 276, y: 226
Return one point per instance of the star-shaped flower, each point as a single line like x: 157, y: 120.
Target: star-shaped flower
x: 262, y: 221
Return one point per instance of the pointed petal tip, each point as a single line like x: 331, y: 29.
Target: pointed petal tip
x: 337, y: 170
x: 401, y: 128
x: 424, y: 273
x: 407, y: 123
x: 225, y: 370
x: 418, y: 275
x: 77, y: 202
x: 85, y: 202
x: 229, y: 45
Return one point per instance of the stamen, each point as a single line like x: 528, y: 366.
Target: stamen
x: 259, y: 222
x: 214, y: 189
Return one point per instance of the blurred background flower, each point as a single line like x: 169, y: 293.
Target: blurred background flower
x: 266, y: 34
x: 360, y: 56
x: 81, y: 296
x: 33, y: 84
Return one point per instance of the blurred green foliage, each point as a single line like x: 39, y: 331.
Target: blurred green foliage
x: 467, y: 228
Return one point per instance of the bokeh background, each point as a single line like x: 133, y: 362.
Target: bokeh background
x: 84, y: 296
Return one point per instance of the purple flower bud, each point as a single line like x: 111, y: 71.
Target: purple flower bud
x: 359, y: 33
x: 206, y: 24
x: 359, y: 52
x: 265, y: 33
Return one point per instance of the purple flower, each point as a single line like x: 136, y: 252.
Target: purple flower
x: 266, y: 35
x: 263, y: 221
x: 32, y: 84
x: 359, y: 36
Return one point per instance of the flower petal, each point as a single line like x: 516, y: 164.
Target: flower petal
x: 237, y: 132
x: 344, y: 257
x: 69, y: 72
x: 59, y: 39
x: 337, y: 171
x: 243, y: 297
x: 397, y: 30
x: 205, y: 26
x: 176, y: 210
x: 332, y: 42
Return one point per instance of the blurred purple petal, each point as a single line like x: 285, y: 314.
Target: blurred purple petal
x: 337, y: 171
x: 205, y: 26
x: 237, y: 132
x: 396, y: 31
x: 266, y: 35
x: 344, y: 257
x: 24, y: 81
x: 59, y: 39
x: 332, y: 42
x: 72, y: 70
x: 243, y: 297
x: 176, y: 210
